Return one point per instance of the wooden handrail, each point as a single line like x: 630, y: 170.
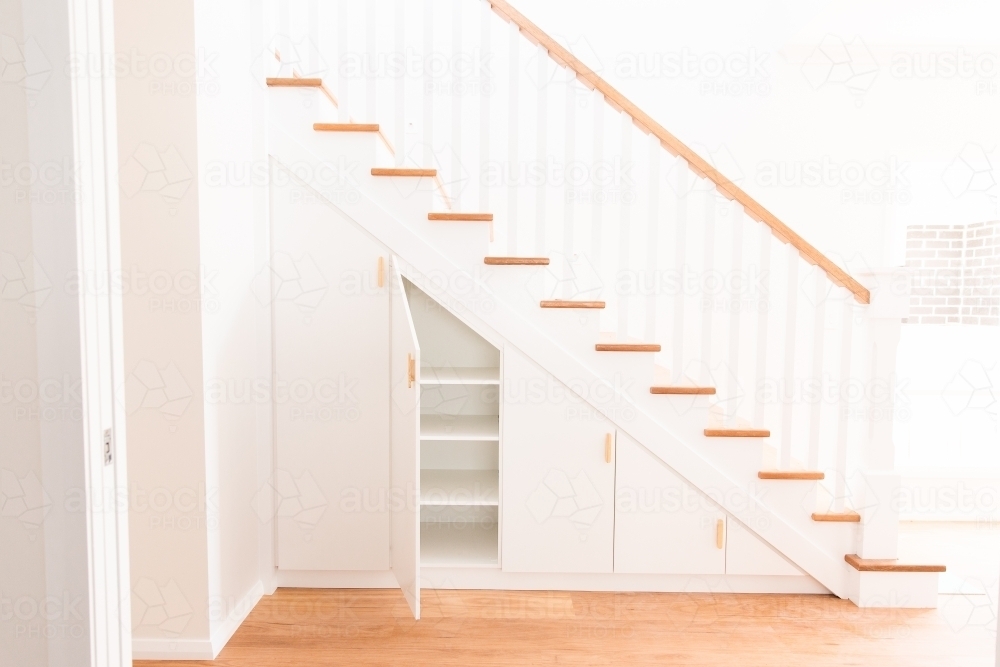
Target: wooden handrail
x: 676, y: 147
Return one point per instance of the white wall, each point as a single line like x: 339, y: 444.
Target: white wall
x: 170, y: 495
x: 230, y: 129
x: 186, y: 100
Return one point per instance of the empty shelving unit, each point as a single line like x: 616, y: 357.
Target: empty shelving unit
x: 459, y: 439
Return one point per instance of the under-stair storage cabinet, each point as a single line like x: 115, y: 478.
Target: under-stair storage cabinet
x: 558, y: 476
x: 663, y: 525
x: 330, y: 310
x: 459, y: 439
x: 748, y: 554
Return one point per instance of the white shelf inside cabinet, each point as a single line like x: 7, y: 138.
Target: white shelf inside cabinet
x: 460, y: 487
x: 460, y: 427
x: 457, y: 545
x: 462, y: 376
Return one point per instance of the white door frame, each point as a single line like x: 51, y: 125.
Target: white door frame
x: 95, y: 149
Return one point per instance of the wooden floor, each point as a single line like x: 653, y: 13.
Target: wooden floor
x: 310, y: 627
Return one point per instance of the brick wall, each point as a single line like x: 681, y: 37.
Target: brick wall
x: 956, y: 273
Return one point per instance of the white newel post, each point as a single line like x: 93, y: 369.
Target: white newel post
x: 890, y: 302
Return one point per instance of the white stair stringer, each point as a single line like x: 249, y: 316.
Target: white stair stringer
x: 767, y: 508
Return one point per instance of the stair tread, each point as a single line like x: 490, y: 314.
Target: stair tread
x: 664, y: 389
x: 346, y: 127
x: 516, y: 261
x: 294, y: 82
x: 847, y: 516
x: 461, y: 217
x: 627, y: 347
x: 885, y: 565
x: 561, y: 303
x: 402, y: 171
x: 737, y: 432
x: 791, y: 474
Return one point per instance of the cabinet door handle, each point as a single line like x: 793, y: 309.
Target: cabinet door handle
x: 381, y: 272
x: 411, y: 370
x: 719, y: 533
x: 607, y: 448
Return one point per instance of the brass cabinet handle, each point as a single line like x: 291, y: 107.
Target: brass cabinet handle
x: 719, y: 533
x: 411, y: 370
x: 607, y: 448
x: 381, y: 272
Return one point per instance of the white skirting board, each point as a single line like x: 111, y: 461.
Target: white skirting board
x: 167, y: 648
x: 495, y: 579
x: 336, y: 579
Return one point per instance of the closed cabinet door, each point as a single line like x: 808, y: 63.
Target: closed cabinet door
x: 558, y: 476
x: 662, y: 524
x: 748, y: 554
x: 331, y: 321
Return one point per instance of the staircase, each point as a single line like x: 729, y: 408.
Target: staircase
x: 686, y: 313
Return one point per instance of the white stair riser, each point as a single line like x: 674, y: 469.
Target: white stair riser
x: 902, y: 590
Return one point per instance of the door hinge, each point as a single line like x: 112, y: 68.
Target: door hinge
x: 107, y: 446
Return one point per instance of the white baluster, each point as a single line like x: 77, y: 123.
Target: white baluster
x: 707, y: 265
x: 315, y: 62
x: 652, y: 238
x: 399, y: 140
x: 624, y: 223
x: 764, y: 306
x: 786, y: 393
x: 486, y: 88
x: 844, y: 412
x: 735, y: 307
x: 511, y: 167
x: 457, y: 95
x: 597, y: 205
x: 370, y: 71
x: 822, y: 291
x: 682, y: 186
x: 428, y: 121
x: 343, y: 81
x: 570, y: 156
x: 542, y: 65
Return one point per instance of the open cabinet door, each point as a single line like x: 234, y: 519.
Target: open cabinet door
x: 405, y: 411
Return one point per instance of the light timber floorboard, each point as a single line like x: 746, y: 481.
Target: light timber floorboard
x: 316, y: 627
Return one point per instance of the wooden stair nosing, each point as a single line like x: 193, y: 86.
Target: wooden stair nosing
x: 293, y: 82
x: 701, y: 391
x: 346, y: 127
x: 402, y: 171
x: 880, y: 565
x: 627, y: 347
x: 847, y: 516
x: 559, y: 303
x: 461, y: 217
x: 737, y: 432
x: 791, y: 474
x: 516, y: 261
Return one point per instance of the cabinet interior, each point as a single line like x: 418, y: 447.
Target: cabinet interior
x: 459, y: 438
